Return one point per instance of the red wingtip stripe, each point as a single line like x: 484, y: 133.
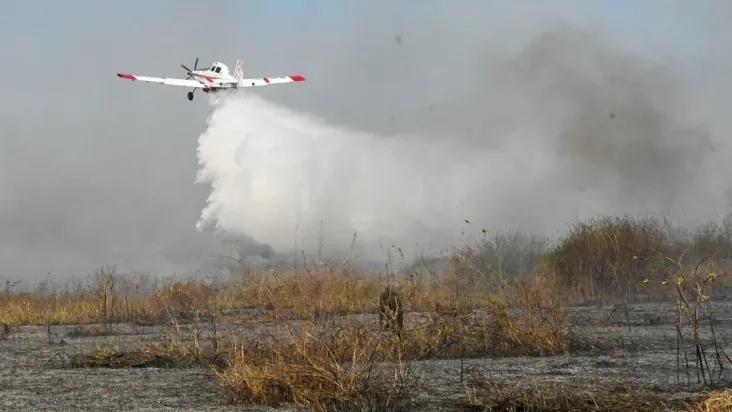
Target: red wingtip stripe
x: 266, y: 80
x: 126, y: 76
x: 297, y: 78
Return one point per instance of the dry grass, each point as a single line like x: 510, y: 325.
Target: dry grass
x: 145, y: 356
x: 338, y: 356
x: 324, y: 348
x: 559, y: 397
x: 105, y: 298
x: 175, y: 350
x: 329, y: 362
x: 316, y: 368
x: 606, y: 259
x: 495, y: 395
x: 718, y: 401
x: 597, y: 259
x: 85, y: 331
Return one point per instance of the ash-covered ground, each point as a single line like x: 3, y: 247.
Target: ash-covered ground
x: 617, y: 349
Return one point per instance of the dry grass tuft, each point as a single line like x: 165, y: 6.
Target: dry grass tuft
x: 718, y: 401
x: 86, y: 331
x: 168, y: 354
x: 318, y: 368
x: 141, y: 357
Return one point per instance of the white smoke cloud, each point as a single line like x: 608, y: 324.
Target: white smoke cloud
x: 585, y: 128
x: 275, y: 174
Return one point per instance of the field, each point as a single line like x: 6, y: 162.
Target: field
x: 619, y: 314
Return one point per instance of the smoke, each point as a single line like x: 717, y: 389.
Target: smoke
x: 412, y: 120
x: 570, y: 125
x: 288, y: 179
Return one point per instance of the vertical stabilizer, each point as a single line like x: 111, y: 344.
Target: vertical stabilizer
x: 239, y: 71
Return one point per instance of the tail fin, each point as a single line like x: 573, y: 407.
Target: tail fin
x: 239, y: 71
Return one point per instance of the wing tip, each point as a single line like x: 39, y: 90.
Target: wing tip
x: 297, y: 78
x: 126, y: 76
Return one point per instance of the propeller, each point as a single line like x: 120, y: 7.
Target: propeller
x: 190, y: 72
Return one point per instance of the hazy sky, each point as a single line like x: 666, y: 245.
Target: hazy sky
x: 97, y: 170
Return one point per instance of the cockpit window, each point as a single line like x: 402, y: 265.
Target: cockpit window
x: 218, y: 69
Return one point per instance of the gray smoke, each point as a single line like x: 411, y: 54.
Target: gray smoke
x: 622, y: 126
x: 571, y: 124
x: 515, y: 116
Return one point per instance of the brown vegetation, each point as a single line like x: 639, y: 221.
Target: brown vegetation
x: 391, y: 311
x: 558, y: 397
x: 717, y: 401
x: 501, y: 295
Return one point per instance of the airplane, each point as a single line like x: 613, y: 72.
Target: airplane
x: 214, y: 78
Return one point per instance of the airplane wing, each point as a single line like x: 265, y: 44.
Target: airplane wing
x: 266, y: 81
x: 163, y: 80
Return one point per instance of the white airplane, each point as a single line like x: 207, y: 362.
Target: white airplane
x: 214, y: 78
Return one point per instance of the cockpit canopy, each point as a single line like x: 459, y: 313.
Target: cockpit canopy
x: 219, y: 68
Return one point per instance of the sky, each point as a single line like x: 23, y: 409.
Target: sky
x: 97, y: 171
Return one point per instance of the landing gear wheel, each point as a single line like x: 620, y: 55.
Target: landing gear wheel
x: 190, y: 96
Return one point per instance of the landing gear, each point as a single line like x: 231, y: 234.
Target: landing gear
x: 190, y: 74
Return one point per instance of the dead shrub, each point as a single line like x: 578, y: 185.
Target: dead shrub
x: 608, y: 256
x: 391, y: 310
x: 713, y: 240
x: 500, y: 256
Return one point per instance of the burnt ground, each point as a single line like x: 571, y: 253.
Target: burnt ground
x: 616, y: 351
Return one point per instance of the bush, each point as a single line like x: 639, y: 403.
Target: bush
x: 501, y: 256
x: 611, y: 255
x: 712, y: 240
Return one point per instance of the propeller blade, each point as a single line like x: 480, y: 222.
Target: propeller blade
x: 195, y: 64
x: 187, y: 69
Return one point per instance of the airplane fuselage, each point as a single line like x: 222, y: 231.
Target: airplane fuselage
x: 215, y: 78
x: 212, y: 83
